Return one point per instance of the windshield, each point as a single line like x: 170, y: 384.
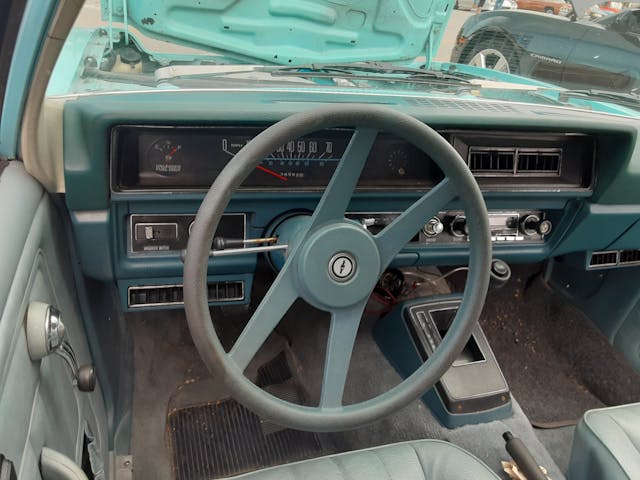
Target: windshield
x: 537, y: 51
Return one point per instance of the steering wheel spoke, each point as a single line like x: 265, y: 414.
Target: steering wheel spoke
x: 265, y: 319
x: 342, y: 336
x: 336, y: 198
x: 396, y: 235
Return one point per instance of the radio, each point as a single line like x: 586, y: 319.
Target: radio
x: 506, y: 226
x: 527, y: 226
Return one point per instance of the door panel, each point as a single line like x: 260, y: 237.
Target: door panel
x: 39, y: 406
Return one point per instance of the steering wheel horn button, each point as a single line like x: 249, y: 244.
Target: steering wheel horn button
x: 342, y: 267
x: 338, y: 266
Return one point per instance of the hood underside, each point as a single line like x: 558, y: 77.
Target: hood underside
x: 292, y: 31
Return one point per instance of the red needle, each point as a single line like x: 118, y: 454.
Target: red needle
x: 170, y: 155
x: 271, y: 172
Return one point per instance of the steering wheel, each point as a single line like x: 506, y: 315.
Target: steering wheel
x: 334, y: 264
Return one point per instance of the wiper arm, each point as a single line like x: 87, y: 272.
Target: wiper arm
x: 627, y: 99
x: 371, y: 71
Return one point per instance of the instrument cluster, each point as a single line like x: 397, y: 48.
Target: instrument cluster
x: 168, y: 158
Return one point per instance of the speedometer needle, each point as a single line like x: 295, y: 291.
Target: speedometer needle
x: 271, y: 172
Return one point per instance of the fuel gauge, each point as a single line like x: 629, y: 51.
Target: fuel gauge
x: 165, y: 157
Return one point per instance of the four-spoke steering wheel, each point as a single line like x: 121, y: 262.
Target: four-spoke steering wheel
x: 333, y: 264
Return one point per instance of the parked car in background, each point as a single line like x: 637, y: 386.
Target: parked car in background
x: 602, y: 54
x: 555, y: 7
x: 488, y: 6
x: 605, y: 9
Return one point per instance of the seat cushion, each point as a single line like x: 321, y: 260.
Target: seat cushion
x: 606, y: 444
x: 419, y: 460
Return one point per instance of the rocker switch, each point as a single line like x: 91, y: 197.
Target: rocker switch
x: 156, y: 231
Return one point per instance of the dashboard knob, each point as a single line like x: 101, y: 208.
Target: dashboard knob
x: 529, y: 225
x: 458, y: 226
x: 433, y: 227
x: 545, y: 227
x: 532, y: 225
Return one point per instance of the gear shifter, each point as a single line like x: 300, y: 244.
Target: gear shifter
x: 46, y: 334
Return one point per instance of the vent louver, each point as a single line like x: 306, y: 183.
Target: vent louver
x: 604, y: 259
x: 629, y: 256
x: 488, y: 160
x: 168, y: 295
x: 496, y: 161
x: 539, y: 161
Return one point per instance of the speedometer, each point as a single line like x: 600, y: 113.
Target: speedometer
x: 310, y: 159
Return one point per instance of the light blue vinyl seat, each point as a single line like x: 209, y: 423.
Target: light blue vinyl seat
x: 417, y: 460
x: 606, y: 445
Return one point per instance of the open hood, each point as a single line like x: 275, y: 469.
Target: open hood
x: 292, y: 32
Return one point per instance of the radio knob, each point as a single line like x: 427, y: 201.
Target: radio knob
x: 545, y: 227
x: 458, y: 226
x: 532, y: 224
x: 529, y: 224
x: 433, y: 227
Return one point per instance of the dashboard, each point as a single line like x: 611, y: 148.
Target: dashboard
x: 139, y: 168
x: 172, y: 158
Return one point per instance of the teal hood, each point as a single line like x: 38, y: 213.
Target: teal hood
x: 292, y: 31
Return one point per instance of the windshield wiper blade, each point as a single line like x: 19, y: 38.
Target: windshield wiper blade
x: 370, y: 71
x: 626, y: 99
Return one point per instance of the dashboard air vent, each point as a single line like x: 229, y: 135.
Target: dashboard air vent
x: 604, y: 259
x: 628, y: 257
x: 170, y: 295
x: 545, y: 161
x: 492, y: 160
x: 500, y: 161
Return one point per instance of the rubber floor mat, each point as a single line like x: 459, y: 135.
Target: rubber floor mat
x: 223, y: 438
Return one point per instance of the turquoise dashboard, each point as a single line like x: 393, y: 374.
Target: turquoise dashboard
x: 558, y: 182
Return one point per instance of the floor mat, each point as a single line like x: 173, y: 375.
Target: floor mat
x: 556, y: 361
x: 370, y: 374
x: 223, y: 438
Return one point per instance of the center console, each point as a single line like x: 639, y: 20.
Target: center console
x: 473, y: 390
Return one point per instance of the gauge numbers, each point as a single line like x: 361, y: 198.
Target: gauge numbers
x: 296, y: 159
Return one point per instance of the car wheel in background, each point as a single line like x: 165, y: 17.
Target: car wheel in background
x: 497, y: 53
x: 549, y: 10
